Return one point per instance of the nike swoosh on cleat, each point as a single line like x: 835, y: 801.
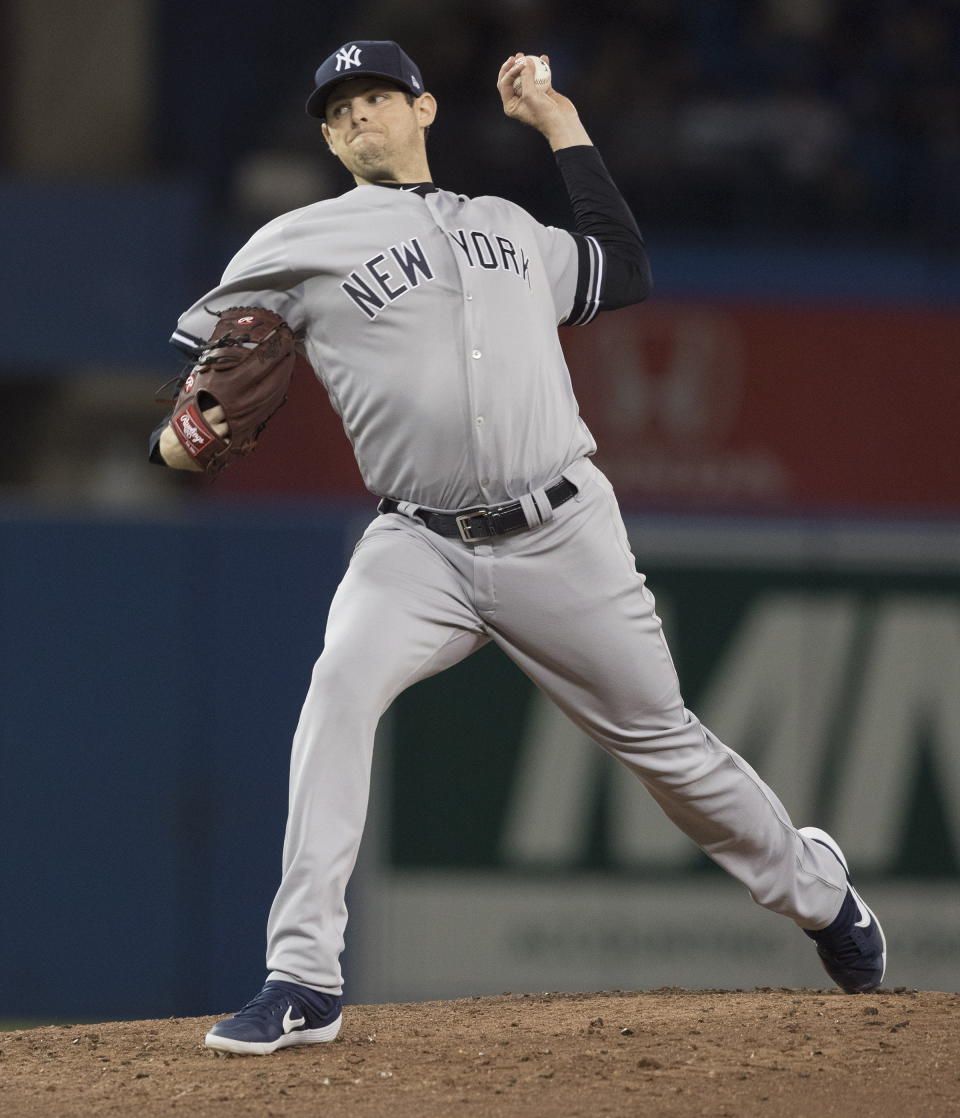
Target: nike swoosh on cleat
x: 289, y: 1022
x: 865, y: 915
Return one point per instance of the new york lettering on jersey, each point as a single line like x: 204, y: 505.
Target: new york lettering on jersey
x: 387, y: 275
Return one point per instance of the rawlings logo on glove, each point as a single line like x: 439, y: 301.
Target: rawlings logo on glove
x: 245, y: 367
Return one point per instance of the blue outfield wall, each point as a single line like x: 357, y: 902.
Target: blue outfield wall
x: 97, y: 273
x: 153, y: 676
x: 154, y: 671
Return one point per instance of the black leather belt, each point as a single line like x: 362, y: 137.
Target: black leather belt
x: 473, y: 525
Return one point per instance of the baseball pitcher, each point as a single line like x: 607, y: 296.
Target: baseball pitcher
x: 431, y: 320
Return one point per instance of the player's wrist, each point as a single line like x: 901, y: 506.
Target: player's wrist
x: 566, y: 131
x: 172, y: 452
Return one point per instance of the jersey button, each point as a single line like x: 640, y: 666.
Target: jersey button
x: 469, y: 297
x: 479, y: 420
x: 476, y: 353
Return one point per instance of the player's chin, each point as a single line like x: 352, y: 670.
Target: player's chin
x: 372, y: 166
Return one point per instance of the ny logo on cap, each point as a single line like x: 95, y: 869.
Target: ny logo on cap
x: 347, y: 57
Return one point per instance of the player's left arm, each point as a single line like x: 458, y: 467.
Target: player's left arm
x: 260, y: 277
x: 614, y: 270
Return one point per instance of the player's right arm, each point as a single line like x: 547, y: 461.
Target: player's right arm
x: 613, y: 269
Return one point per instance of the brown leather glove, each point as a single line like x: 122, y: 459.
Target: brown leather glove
x: 245, y: 367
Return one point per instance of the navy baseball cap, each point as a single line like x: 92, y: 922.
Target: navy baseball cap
x: 364, y: 58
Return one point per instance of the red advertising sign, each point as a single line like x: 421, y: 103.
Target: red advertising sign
x: 719, y: 406
x: 764, y: 408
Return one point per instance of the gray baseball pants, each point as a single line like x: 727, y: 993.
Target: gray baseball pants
x: 565, y: 602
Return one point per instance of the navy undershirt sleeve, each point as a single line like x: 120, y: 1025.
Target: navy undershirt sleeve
x: 614, y: 268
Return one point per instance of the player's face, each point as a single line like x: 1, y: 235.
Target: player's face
x: 376, y: 133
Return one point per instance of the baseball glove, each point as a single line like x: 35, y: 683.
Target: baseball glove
x: 245, y: 367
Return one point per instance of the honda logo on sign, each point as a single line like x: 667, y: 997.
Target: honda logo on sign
x: 678, y: 377
x: 665, y: 393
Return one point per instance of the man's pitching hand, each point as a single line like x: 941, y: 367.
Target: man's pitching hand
x: 540, y: 106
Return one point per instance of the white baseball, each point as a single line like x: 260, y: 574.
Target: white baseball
x: 541, y: 75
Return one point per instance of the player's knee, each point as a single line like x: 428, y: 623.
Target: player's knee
x: 344, y: 683
x: 331, y: 675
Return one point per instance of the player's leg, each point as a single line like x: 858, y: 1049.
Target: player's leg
x: 585, y: 630
x: 399, y: 616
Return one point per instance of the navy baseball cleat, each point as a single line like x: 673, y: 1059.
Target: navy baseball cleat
x: 283, y: 1013
x: 852, y: 949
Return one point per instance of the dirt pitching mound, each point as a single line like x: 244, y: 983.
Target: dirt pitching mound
x: 661, y: 1053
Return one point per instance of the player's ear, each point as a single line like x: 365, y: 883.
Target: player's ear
x: 425, y: 106
x: 326, y: 134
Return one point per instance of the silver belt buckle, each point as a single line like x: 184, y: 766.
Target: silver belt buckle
x: 464, y: 528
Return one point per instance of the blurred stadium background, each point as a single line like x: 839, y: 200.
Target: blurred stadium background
x: 780, y: 422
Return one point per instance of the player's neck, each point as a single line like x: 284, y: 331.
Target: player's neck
x: 393, y: 182
x: 416, y: 171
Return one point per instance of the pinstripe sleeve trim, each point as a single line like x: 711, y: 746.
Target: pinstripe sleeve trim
x: 590, y: 278
x: 186, y: 342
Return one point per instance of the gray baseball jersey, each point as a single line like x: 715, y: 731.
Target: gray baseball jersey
x: 431, y: 321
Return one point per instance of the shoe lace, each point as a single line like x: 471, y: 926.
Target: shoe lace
x: 268, y: 1003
